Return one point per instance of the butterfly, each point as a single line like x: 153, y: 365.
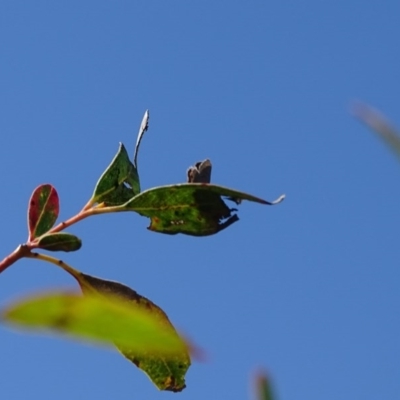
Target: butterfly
x: 200, y: 172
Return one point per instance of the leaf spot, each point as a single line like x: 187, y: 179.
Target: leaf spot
x: 178, y: 222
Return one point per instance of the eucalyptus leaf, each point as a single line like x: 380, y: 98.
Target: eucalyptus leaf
x: 101, y: 319
x: 166, y: 372
x: 196, y: 209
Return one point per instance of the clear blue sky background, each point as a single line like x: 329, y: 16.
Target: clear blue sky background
x: 308, y: 289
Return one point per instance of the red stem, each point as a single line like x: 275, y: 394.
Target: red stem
x: 21, y: 251
x: 24, y: 250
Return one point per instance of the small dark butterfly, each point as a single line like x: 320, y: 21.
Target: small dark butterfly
x: 200, y: 172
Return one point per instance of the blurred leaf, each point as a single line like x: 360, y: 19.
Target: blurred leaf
x: 43, y: 210
x: 192, y: 208
x: 107, y: 320
x: 377, y: 122
x: 119, y: 182
x: 263, y: 387
x: 167, y: 373
x: 59, y: 242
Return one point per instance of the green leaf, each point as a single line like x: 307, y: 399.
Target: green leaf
x: 43, y: 210
x: 119, y: 181
x: 105, y: 320
x: 167, y: 373
x: 191, y: 208
x: 59, y: 242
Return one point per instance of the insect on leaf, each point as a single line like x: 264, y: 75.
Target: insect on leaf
x: 200, y: 172
x: 42, y: 211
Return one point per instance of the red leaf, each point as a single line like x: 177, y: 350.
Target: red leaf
x: 43, y: 210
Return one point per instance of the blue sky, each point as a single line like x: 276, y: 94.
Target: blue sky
x: 307, y: 289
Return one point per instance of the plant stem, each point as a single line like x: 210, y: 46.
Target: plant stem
x: 96, y: 210
x: 73, y: 220
x: 55, y: 261
x: 24, y: 250
x: 21, y: 251
x: 88, y: 205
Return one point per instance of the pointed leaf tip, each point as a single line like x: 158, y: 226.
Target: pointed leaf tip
x: 43, y: 210
x: 144, y: 126
x: 278, y: 200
